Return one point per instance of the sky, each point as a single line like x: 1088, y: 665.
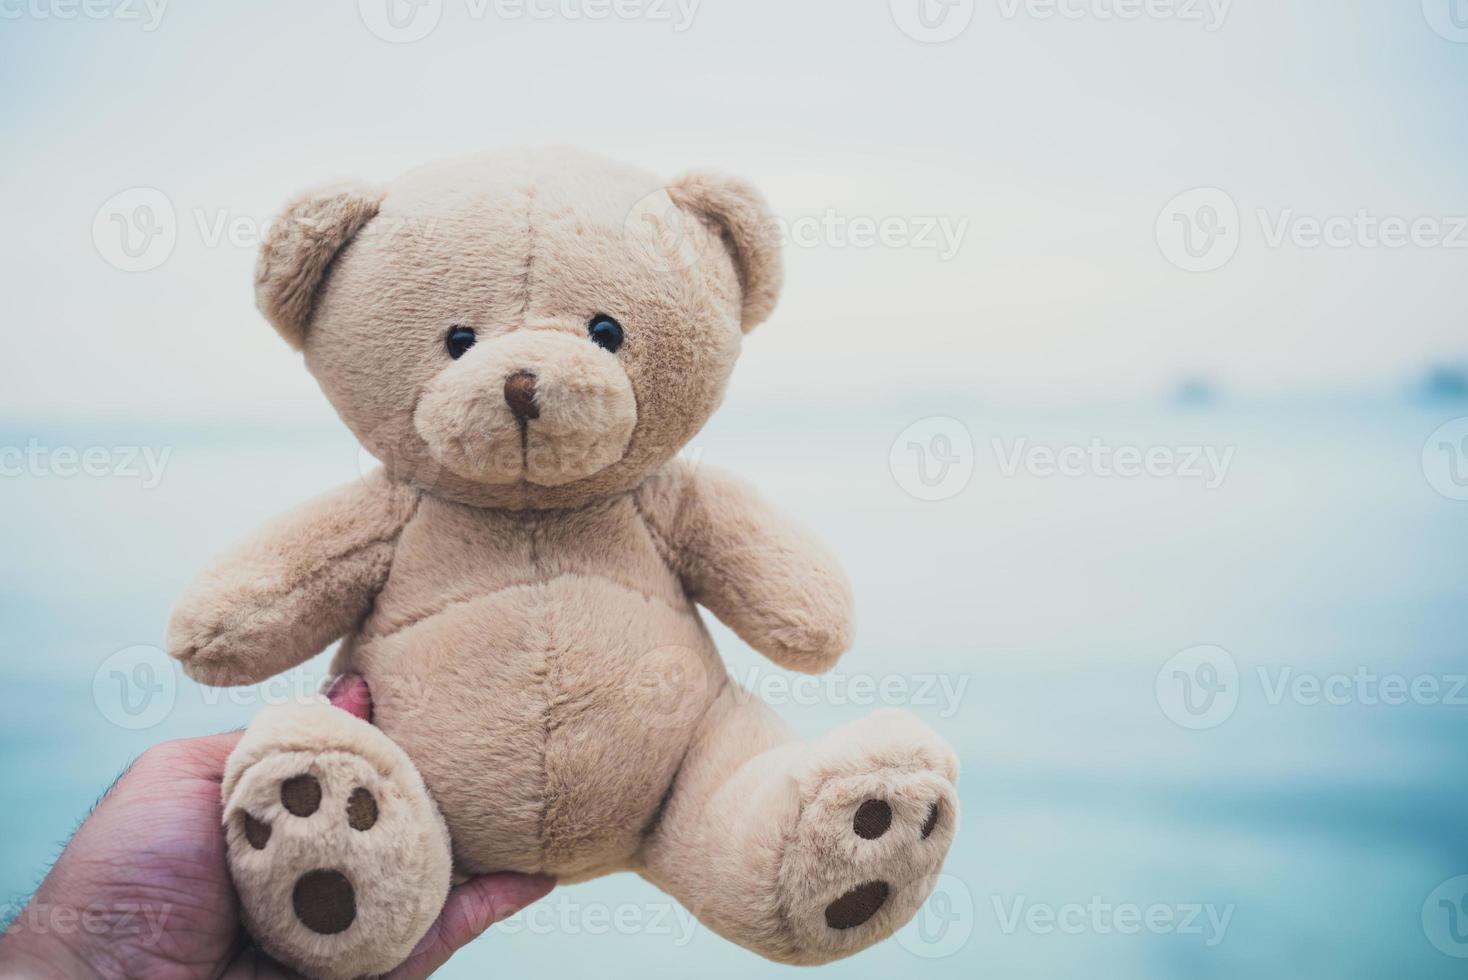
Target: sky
x: 1026, y: 172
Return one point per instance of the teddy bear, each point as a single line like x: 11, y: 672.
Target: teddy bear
x: 526, y: 340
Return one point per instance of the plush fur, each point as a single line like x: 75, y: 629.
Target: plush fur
x: 738, y: 213
x: 520, y: 593
x: 301, y: 245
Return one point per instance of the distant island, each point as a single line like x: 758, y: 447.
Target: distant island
x: 1195, y: 392
x: 1443, y: 384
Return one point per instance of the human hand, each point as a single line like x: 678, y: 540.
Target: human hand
x: 142, y: 889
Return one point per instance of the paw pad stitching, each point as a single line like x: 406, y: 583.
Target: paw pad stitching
x: 257, y: 832
x: 301, y: 795
x: 872, y: 819
x: 930, y: 824
x: 361, y: 809
x: 857, y: 906
x: 324, y: 901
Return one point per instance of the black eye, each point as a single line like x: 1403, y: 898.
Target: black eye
x: 460, y: 339
x: 606, y: 332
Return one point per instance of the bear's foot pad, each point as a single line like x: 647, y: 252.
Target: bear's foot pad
x: 338, y: 854
x: 866, y: 851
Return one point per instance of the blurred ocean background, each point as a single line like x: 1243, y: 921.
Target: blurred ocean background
x: 1169, y: 691
x: 1027, y: 617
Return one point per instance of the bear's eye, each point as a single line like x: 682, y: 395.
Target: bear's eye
x: 459, y: 341
x: 606, y: 332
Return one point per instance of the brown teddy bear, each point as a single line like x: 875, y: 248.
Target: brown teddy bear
x: 526, y: 340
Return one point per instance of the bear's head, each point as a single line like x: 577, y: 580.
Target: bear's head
x: 522, y: 330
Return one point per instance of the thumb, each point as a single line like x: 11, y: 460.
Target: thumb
x: 351, y: 693
x: 472, y: 908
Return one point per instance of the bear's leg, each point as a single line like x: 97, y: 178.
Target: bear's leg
x: 805, y: 852
x: 340, y: 858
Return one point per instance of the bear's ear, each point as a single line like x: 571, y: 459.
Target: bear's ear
x: 299, y: 248
x: 748, y: 229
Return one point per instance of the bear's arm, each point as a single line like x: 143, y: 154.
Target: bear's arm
x: 768, y: 579
x: 300, y: 582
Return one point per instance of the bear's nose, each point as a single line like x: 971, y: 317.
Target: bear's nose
x: 520, y: 396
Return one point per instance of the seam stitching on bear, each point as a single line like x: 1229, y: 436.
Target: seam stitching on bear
x: 548, y: 693
x: 665, y: 551
x: 527, y: 279
x: 392, y: 561
x: 527, y: 583
x: 291, y: 747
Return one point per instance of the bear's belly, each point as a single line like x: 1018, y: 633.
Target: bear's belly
x: 547, y: 719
